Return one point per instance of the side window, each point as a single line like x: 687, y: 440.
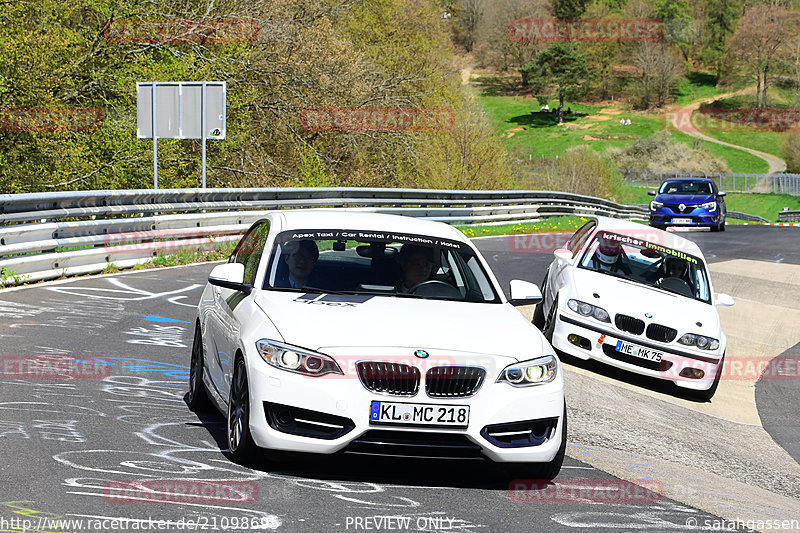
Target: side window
x: 576, y: 242
x: 249, y: 250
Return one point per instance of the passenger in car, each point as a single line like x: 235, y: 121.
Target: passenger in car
x: 415, y: 263
x: 300, y: 257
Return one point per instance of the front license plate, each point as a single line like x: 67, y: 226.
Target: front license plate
x: 681, y: 220
x: 639, y: 351
x: 419, y: 414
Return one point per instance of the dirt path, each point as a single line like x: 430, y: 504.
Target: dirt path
x: 681, y: 120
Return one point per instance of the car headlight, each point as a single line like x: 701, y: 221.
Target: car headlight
x: 704, y: 343
x: 589, y: 310
x: 533, y: 372
x: 711, y: 206
x: 298, y: 360
x: 655, y: 205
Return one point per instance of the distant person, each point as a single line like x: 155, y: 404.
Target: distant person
x: 628, y: 122
x: 622, y: 122
x: 416, y: 263
x: 569, y: 110
x: 300, y: 258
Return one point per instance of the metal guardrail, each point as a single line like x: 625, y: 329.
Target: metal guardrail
x: 732, y: 182
x: 789, y: 216
x: 49, y: 235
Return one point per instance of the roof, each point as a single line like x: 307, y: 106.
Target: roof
x: 648, y: 233
x: 365, y: 221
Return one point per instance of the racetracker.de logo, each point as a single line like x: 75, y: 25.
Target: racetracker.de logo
x: 181, y: 31
x: 181, y: 491
x: 46, y: 367
x: 547, y: 30
x: 50, y: 118
x: 550, y: 242
x: 377, y: 119
x: 717, y: 119
x: 586, y: 490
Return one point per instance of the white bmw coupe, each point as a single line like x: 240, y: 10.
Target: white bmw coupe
x: 330, y: 331
x: 636, y: 298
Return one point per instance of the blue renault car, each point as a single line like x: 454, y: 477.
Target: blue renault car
x: 688, y: 202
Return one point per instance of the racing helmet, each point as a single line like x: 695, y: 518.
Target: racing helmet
x: 608, y: 250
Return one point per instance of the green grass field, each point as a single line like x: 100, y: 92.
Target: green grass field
x: 525, y: 131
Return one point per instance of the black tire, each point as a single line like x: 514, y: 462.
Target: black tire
x: 538, y: 313
x: 197, y: 398
x: 544, y: 471
x: 722, y: 226
x: 715, y: 228
x: 550, y: 323
x: 706, y: 395
x: 240, y: 442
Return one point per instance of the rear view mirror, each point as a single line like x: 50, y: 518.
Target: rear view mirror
x: 651, y: 192
x: 721, y: 193
x: 723, y: 299
x: 524, y: 292
x: 230, y: 276
x: 563, y: 254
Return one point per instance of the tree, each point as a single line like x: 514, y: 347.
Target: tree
x: 564, y: 66
x: 761, y: 40
x: 494, y: 47
x: 678, y: 23
x: 720, y: 23
x: 569, y: 9
x: 468, y: 14
x: 659, y: 69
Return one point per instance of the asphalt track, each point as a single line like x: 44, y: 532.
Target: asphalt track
x: 68, y: 443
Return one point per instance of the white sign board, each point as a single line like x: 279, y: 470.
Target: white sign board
x: 179, y: 109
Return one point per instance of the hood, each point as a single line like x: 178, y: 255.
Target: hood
x: 688, y: 199
x: 636, y: 300
x: 362, y: 323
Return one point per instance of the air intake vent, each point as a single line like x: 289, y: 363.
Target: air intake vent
x: 453, y: 381
x: 660, y: 333
x: 389, y: 378
x: 629, y: 324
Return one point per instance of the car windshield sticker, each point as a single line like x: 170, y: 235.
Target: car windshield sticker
x: 647, y: 244
x: 334, y: 300
x: 373, y: 236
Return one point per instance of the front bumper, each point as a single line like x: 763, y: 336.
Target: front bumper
x: 674, y: 360
x: 697, y: 217
x: 345, y: 399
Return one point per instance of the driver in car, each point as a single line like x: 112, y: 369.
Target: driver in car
x: 300, y: 257
x: 416, y: 263
x: 610, y: 257
x: 676, y: 268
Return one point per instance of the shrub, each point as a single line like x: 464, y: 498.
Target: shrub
x: 661, y: 152
x: 790, y: 150
x: 580, y: 170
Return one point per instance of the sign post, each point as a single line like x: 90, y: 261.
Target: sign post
x: 180, y: 110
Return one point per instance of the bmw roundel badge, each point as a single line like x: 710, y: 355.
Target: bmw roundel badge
x: 422, y: 354
x: 648, y: 315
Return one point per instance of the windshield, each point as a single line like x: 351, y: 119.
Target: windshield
x: 647, y: 263
x: 377, y: 263
x: 685, y: 187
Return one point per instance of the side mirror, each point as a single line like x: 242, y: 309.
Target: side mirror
x: 651, y: 192
x: 230, y: 276
x: 723, y: 299
x: 721, y: 193
x: 524, y: 292
x: 563, y: 254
